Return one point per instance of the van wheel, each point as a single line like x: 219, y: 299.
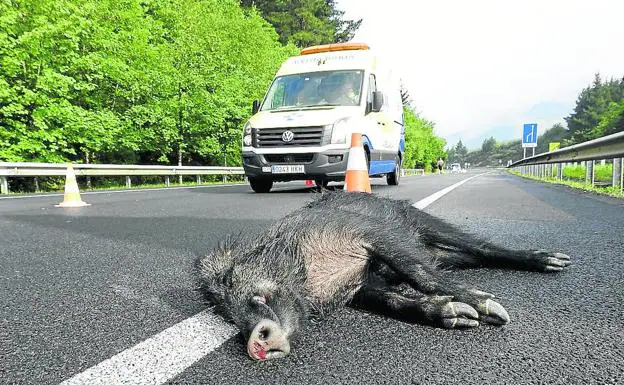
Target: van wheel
x: 394, y: 177
x: 260, y: 185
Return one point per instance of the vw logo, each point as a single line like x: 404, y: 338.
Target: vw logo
x: 288, y: 136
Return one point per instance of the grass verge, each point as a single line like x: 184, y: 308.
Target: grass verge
x: 610, y: 190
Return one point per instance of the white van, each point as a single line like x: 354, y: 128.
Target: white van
x: 302, y: 129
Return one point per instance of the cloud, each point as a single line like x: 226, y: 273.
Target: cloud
x: 475, y: 66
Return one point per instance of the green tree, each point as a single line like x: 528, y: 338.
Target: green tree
x: 405, y: 96
x: 461, y: 151
x: 131, y: 80
x: 306, y: 22
x: 557, y: 133
x: 593, y: 103
x: 611, y: 121
x: 422, y: 146
x: 488, y: 145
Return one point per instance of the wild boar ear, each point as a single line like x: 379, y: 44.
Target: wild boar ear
x: 259, y: 299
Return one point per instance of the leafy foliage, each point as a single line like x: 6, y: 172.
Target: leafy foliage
x: 599, y: 111
x: 130, y: 81
x: 422, y: 146
x: 406, y: 99
x: 306, y: 22
x: 148, y: 81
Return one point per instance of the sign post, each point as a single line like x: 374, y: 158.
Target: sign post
x: 529, y: 137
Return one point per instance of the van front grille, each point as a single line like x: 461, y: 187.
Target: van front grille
x: 302, y: 136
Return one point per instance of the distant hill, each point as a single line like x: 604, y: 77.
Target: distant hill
x: 545, y: 114
x: 599, y: 111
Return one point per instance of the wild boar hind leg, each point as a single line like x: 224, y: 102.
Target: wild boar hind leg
x: 409, y: 259
x: 433, y: 310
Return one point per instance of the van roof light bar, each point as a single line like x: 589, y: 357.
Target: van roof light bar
x: 334, y: 47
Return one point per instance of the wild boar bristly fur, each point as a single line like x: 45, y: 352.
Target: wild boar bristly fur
x: 357, y: 249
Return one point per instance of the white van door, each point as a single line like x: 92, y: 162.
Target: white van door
x: 384, y: 134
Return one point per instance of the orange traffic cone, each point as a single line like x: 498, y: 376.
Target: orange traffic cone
x: 72, y: 193
x: 356, y: 177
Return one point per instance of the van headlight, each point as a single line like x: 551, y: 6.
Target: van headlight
x: 247, y: 134
x: 340, y: 131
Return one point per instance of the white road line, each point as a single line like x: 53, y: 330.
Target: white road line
x: 161, y: 357
x: 421, y: 204
x: 170, y: 352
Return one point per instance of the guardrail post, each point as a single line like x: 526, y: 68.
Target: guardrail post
x: 4, y: 185
x: 167, y: 183
x: 198, y: 179
x: 617, y: 172
x: 128, y: 182
x: 589, y: 172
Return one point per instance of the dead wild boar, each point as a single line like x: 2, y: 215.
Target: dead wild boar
x: 358, y: 249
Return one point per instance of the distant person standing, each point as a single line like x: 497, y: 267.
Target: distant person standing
x: 440, y: 165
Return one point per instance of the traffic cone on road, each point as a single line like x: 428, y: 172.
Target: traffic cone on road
x: 356, y: 177
x: 72, y: 193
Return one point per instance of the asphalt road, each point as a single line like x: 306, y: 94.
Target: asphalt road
x: 81, y: 285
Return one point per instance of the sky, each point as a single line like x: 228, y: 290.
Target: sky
x: 481, y: 68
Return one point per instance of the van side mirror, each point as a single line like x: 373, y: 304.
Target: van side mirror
x: 378, y: 101
x: 256, y: 107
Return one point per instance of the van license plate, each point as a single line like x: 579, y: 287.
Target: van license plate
x: 288, y: 169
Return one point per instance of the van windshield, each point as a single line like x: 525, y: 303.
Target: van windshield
x: 330, y: 88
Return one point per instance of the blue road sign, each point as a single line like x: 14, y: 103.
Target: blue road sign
x: 529, y: 135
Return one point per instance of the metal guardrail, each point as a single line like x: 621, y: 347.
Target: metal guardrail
x: 610, y: 147
x: 24, y: 169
